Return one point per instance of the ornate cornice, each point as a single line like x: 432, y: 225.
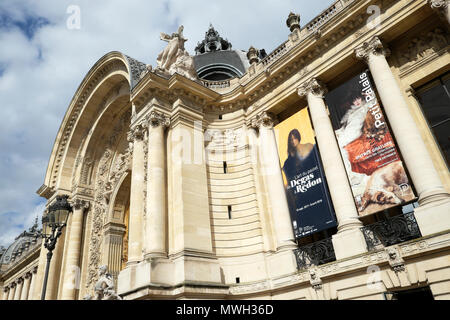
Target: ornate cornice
x: 314, y: 86
x: 156, y: 119
x: 373, y: 46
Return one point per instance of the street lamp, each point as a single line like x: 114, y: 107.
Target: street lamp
x: 52, y: 224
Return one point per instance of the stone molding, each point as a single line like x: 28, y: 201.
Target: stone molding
x: 76, y: 108
x: 314, y: 86
x: 395, y: 256
x: 373, y: 46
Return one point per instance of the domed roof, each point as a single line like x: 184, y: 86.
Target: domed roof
x: 22, y: 243
x: 215, y: 60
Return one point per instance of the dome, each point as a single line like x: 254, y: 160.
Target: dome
x: 216, y: 61
x: 22, y: 243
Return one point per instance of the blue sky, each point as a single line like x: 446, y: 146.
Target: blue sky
x: 43, y: 60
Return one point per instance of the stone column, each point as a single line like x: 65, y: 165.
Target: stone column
x: 136, y: 135
x: 349, y: 240
x: 72, y: 269
x: 33, y: 274
x: 26, y: 286
x: 442, y: 7
x: 18, y: 291
x: 252, y: 140
x: 432, y: 214
x: 5, y: 293
x: 156, y: 218
x: 12, y: 290
x: 275, y: 188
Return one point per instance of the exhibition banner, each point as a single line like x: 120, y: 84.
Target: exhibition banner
x: 306, y: 190
x: 374, y: 168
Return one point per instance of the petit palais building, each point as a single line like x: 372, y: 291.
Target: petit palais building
x: 317, y: 171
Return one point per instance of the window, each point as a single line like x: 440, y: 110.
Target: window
x: 229, y: 212
x: 225, y: 168
x: 434, y: 98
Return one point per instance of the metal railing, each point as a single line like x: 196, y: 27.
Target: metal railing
x: 392, y: 231
x: 317, y: 253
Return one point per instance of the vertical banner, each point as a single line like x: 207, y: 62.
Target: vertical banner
x: 375, y: 171
x: 309, y: 202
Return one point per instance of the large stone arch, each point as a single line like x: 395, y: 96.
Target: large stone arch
x: 90, y: 156
x: 112, y: 77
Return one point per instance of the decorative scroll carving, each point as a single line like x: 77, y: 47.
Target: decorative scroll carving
x: 373, y: 46
x: 254, y: 287
x: 97, y: 218
x: 156, y: 119
x: 421, y: 47
x: 137, y: 70
x: 137, y: 132
x: 265, y: 119
x: 314, y: 86
x: 78, y: 204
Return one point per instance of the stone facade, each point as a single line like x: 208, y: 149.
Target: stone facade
x: 175, y: 182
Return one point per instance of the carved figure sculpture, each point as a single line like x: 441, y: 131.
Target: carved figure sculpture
x: 174, y: 58
x: 104, y: 288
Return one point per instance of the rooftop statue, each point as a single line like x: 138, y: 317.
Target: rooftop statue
x: 174, y: 58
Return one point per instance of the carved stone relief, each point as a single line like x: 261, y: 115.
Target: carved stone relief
x: 421, y: 47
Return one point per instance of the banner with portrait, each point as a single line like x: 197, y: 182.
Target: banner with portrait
x: 306, y: 189
x: 374, y: 168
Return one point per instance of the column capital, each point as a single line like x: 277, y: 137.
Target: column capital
x: 373, y: 46
x: 313, y: 86
x: 27, y: 275
x: 136, y: 133
x: 265, y: 119
x: 78, y: 203
x: 19, y: 280
x: 438, y: 4
x: 156, y: 119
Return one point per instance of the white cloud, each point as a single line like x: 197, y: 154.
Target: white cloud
x: 42, y: 72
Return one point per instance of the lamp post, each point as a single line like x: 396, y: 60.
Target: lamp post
x: 52, y: 224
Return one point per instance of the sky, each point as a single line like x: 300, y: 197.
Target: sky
x: 48, y: 46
